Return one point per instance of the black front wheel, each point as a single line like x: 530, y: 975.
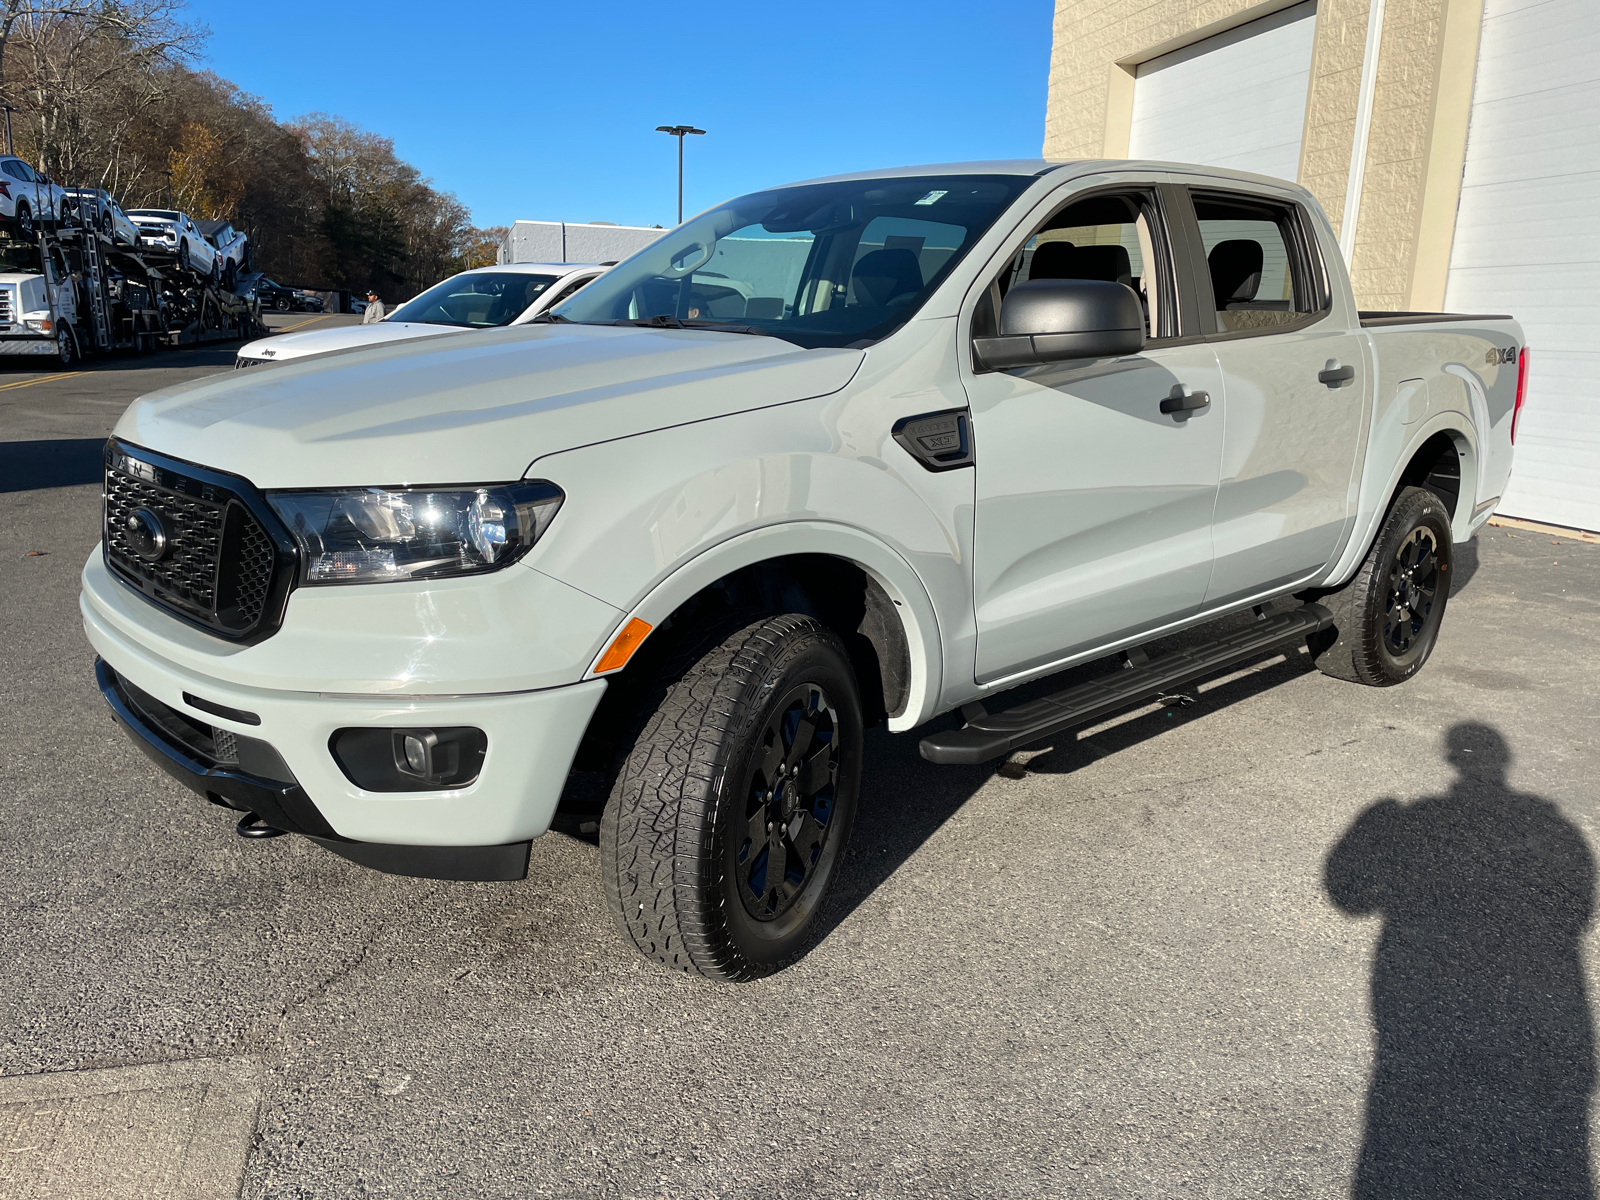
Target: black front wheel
x: 184, y: 261
x: 1387, y: 619
x: 734, y: 799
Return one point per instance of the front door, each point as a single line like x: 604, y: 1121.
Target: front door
x: 1094, y: 508
x: 1296, y: 380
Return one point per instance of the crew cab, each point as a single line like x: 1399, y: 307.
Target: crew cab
x: 166, y: 234
x: 484, y: 298
x: 872, y: 449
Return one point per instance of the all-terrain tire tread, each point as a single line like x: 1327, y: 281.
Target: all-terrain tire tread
x: 659, y: 825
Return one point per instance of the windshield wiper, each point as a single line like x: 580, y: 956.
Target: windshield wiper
x: 667, y: 321
x: 550, y: 318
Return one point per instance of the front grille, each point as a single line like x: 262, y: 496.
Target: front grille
x: 219, y: 566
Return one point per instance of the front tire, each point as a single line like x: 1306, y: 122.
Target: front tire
x: 1387, y: 619
x: 185, y: 263
x: 66, y: 345
x: 733, y: 803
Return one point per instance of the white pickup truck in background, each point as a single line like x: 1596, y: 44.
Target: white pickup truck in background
x: 877, y: 448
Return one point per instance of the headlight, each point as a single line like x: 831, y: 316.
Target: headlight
x: 371, y: 535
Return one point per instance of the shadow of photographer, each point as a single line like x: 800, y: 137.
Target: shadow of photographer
x: 1485, y: 1044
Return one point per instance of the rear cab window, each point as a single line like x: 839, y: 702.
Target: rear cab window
x: 1257, y: 266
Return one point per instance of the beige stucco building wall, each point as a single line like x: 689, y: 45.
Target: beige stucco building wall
x: 1417, y: 132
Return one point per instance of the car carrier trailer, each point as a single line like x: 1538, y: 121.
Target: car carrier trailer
x: 70, y: 291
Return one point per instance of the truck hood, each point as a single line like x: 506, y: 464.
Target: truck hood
x: 472, y: 409
x: 317, y: 341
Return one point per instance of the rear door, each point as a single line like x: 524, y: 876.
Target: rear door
x: 1093, y: 515
x: 1296, y: 381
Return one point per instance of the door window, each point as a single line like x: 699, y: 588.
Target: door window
x: 1115, y: 237
x: 1259, y: 277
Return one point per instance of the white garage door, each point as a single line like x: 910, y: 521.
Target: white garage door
x: 1235, y: 100
x: 1527, y: 238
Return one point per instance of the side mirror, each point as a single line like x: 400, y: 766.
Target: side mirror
x: 1055, y: 320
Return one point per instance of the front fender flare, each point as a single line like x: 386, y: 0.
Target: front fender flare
x: 893, y: 573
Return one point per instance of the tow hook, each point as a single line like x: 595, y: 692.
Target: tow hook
x: 251, y: 826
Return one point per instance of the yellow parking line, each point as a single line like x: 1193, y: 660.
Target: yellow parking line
x: 308, y: 321
x: 21, y: 383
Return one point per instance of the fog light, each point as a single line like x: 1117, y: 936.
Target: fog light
x: 410, y: 760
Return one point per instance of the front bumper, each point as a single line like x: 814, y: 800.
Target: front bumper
x: 532, y: 737
x: 40, y: 344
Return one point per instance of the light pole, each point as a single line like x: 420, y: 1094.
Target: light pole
x: 678, y: 131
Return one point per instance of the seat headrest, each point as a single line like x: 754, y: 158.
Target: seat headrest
x: 1235, y: 270
x: 1108, y: 264
x: 883, y: 275
x: 1048, y: 260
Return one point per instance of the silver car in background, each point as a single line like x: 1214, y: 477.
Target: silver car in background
x: 114, y: 223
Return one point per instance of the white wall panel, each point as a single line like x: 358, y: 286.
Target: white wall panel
x: 1527, y: 238
x: 1235, y: 100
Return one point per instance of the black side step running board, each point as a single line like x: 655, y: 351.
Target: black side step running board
x: 991, y: 735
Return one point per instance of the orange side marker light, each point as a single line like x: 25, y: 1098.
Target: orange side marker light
x: 623, y: 645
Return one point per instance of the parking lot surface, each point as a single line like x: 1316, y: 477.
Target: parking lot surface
x: 1296, y: 938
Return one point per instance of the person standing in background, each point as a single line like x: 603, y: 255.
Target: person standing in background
x: 374, y: 311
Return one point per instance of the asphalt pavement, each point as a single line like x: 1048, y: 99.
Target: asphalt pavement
x: 1296, y: 938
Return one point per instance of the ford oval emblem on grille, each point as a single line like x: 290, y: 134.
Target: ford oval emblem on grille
x: 147, y: 537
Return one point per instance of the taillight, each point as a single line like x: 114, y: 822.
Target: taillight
x: 1522, y: 391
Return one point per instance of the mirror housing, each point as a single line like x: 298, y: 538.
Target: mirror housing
x: 1056, y: 320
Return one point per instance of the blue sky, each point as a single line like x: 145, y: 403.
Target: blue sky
x: 548, y: 112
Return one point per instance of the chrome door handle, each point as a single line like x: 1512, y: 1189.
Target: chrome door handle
x: 1185, y: 401
x: 1334, y: 375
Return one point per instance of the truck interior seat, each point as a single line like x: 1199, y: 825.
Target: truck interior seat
x: 885, y: 276
x: 1047, y: 261
x: 1235, y: 271
x: 1108, y: 263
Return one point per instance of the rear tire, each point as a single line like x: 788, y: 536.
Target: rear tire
x: 1387, y: 619
x: 25, y: 229
x: 733, y: 802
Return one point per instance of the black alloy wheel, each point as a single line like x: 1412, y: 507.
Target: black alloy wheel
x: 281, y: 304
x: 1386, y: 620
x: 184, y: 261
x: 25, y: 220
x: 789, y: 803
x: 1413, y: 592
x: 105, y: 225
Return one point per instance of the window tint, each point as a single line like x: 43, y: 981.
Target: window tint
x: 14, y: 168
x: 475, y: 300
x: 830, y: 264
x: 1110, y: 238
x: 1257, y: 272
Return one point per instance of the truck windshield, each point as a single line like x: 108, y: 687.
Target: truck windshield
x: 825, y: 264
x: 19, y: 260
x: 475, y: 300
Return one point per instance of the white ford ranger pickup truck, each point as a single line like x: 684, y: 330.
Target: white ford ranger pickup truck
x: 869, y: 449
